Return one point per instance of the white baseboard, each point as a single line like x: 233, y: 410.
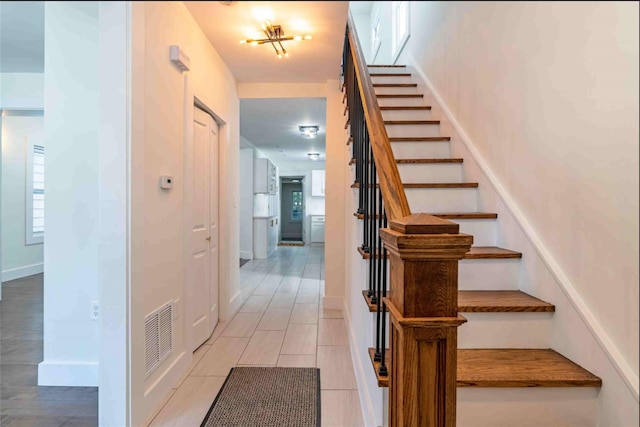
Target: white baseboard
x: 157, y: 392
x: 69, y: 374
x: 234, y: 305
x: 20, y: 272
x: 568, y: 288
x: 246, y: 254
x: 333, y: 303
x: 368, y: 414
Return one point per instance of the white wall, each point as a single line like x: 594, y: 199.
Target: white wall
x: 246, y: 203
x: 21, y: 91
x: 547, y: 96
x: 71, y: 163
x: 161, y: 124
x: 19, y: 259
x: 382, y: 9
x: 363, y: 27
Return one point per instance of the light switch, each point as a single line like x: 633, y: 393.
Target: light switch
x: 166, y: 182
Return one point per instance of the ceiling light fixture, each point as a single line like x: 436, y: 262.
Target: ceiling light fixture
x: 275, y: 36
x: 313, y: 156
x: 309, y: 131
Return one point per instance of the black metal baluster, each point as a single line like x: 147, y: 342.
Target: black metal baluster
x: 382, y: 370
x: 372, y: 232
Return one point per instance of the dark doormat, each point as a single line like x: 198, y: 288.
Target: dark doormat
x: 267, y: 397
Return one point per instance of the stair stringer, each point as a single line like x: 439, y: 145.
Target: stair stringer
x: 575, y: 331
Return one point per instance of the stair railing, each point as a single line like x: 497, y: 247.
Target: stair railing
x: 423, y: 253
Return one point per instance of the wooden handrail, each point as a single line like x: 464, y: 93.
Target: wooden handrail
x: 395, y: 199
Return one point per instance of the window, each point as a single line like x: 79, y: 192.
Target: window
x: 375, y: 36
x: 400, y: 27
x: 35, y: 194
x: 296, y: 206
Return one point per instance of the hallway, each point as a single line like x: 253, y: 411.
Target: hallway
x: 282, y: 323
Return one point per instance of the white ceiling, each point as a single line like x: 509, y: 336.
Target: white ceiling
x: 313, y: 60
x: 271, y: 125
x: 21, y: 37
x: 360, y: 7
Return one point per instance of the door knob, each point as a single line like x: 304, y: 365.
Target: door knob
x: 209, y: 239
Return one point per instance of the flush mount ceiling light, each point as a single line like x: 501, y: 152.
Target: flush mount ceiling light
x: 313, y: 156
x: 275, y: 36
x: 309, y: 131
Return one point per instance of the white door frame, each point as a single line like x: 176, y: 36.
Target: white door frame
x: 192, y: 101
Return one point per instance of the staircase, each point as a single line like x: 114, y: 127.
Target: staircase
x: 506, y: 372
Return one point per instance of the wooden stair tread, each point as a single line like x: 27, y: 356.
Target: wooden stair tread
x: 491, y: 252
x: 509, y: 367
x: 374, y: 74
x: 476, y: 252
x: 399, y: 95
x: 405, y: 107
x: 419, y: 138
x: 520, y: 368
x: 453, y: 215
x: 420, y: 161
x: 465, y: 215
x: 395, y: 84
x: 491, y: 302
x: 412, y: 122
x: 431, y: 185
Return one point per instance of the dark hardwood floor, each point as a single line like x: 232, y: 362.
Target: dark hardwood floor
x: 22, y: 402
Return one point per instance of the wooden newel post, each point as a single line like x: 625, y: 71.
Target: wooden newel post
x: 423, y: 305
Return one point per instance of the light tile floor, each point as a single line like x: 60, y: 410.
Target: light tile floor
x: 282, y: 323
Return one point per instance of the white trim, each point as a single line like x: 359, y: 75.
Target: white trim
x: 333, y: 303
x: 234, y: 305
x: 69, y: 374
x: 20, y: 272
x: 246, y: 255
x: 157, y: 392
x: 375, y: 48
x: 368, y: 412
x: 603, y: 339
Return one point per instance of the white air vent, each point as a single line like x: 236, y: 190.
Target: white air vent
x: 158, y: 336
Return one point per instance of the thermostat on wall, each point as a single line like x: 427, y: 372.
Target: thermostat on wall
x: 166, y: 182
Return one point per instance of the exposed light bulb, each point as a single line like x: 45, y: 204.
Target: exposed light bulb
x: 254, y: 43
x: 297, y: 38
x: 243, y: 41
x: 308, y: 37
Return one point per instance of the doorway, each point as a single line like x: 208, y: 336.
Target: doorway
x: 201, y: 197
x: 292, y: 202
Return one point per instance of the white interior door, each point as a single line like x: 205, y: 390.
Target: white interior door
x: 202, y: 274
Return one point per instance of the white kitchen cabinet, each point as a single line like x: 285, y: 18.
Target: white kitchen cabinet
x: 264, y: 177
x: 317, y: 228
x: 265, y: 236
x: 317, y: 183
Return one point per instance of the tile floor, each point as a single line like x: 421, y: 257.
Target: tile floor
x: 282, y: 323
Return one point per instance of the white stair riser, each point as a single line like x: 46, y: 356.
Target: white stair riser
x: 395, y: 90
x: 406, y: 114
x: 413, y: 130
x: 488, y: 274
x: 396, y: 102
x: 527, y: 407
x: 482, y: 230
x: 420, y: 150
x: 391, y: 79
x: 505, y: 330
x: 441, y: 199
x: 430, y: 172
